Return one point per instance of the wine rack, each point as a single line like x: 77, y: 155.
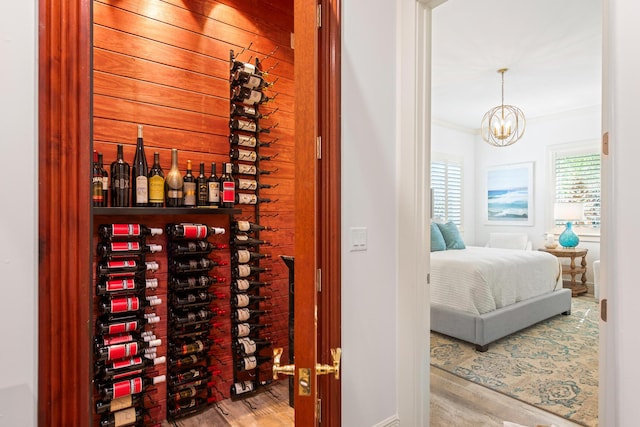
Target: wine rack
x: 193, y: 330
x: 128, y: 365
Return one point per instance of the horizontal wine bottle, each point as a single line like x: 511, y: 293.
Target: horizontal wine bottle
x: 251, y: 362
x: 124, y: 417
x: 191, y: 299
x: 192, y: 231
x: 250, y: 199
x: 126, y: 231
x: 189, y: 391
x: 249, y: 111
x: 245, y: 270
x: 242, y: 285
x: 126, y: 350
x: 127, y: 304
x: 107, y: 406
x: 121, y: 250
x: 185, y: 361
x: 249, y: 346
x: 188, y: 375
x: 246, y: 125
x: 245, y: 300
x: 244, y: 241
x: 125, y: 324
x: 191, y: 266
x: 125, y: 268
x: 244, y: 169
x: 249, y: 80
x: 107, y: 340
x: 194, y: 247
x: 246, y: 155
x: 193, y: 282
x: 190, y: 316
x: 243, y: 256
x: 246, y: 67
x: 245, y: 314
x: 250, y: 184
x: 189, y: 407
x: 119, y: 286
x: 248, y: 227
x: 246, y: 387
x: 249, y: 96
x: 240, y: 330
x: 189, y: 347
x: 128, y: 367
x: 128, y: 387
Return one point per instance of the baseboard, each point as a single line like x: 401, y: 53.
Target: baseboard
x: 389, y: 422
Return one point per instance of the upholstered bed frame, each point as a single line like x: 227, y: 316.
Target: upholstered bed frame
x: 483, y: 329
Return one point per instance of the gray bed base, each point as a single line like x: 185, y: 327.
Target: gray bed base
x: 483, y: 329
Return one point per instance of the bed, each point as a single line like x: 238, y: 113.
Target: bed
x: 481, y: 294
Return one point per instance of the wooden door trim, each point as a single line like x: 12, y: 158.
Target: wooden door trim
x: 64, y: 220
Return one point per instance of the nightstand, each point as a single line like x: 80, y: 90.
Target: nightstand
x: 572, y: 268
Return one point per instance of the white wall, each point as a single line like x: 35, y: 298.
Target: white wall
x: 369, y: 200
x: 18, y: 221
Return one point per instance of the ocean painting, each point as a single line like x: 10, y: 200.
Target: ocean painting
x: 509, y: 193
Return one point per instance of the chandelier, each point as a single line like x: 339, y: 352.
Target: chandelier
x: 503, y: 125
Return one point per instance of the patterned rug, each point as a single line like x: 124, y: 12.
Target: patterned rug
x: 552, y: 365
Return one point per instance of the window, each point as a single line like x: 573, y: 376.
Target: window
x: 446, y: 188
x: 577, y: 180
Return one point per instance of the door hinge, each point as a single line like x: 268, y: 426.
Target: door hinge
x: 603, y: 309
x: 318, y: 147
x: 318, y: 280
x: 605, y: 143
x: 319, y: 16
x: 428, y: 278
x: 319, y: 411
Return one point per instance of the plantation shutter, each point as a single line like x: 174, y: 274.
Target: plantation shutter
x: 578, y: 181
x: 446, y: 185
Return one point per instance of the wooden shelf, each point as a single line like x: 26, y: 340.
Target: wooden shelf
x: 110, y: 211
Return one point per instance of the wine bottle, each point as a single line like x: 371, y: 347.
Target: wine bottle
x: 240, y: 330
x: 250, y: 199
x: 243, y: 155
x: 107, y: 406
x: 246, y: 346
x: 251, y: 362
x: 140, y: 170
x: 97, y: 195
x: 156, y: 183
x: 126, y: 231
x: 188, y: 391
x: 192, y: 282
x: 242, y: 387
x: 246, y: 67
x: 248, y: 227
x: 125, y: 368
x: 243, y: 256
x: 247, y: 126
x: 115, y: 269
x: 173, y: 183
x: 192, y: 231
x: 128, y: 387
x: 245, y: 314
x: 245, y: 270
x: 248, y: 111
x: 125, y: 350
x: 189, y: 347
x: 186, y: 361
x: 213, y: 187
x: 245, y: 300
x: 248, y: 96
x: 243, y: 169
x: 194, y: 247
x: 118, y: 286
x: 227, y: 187
x: 125, y: 417
x: 190, y: 317
x: 105, y: 180
x: 250, y: 184
x: 248, y: 80
x: 189, y: 187
x: 127, y: 304
x: 189, y: 407
x: 244, y: 140
x: 188, y: 375
x: 191, y: 299
x: 243, y: 285
x: 125, y: 324
x: 107, y: 340
x: 120, y: 250
x: 120, y: 178
x: 202, y: 188
x: 191, y: 266
x: 244, y: 241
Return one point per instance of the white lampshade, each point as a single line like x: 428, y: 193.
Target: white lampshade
x: 568, y: 211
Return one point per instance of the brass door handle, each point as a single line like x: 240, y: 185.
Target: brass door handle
x: 334, y: 369
x: 277, y: 369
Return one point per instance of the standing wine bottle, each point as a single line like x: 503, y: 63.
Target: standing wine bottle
x: 156, y: 183
x: 202, y: 188
x: 192, y: 231
x: 227, y: 186
x: 140, y: 170
x: 120, y: 178
x: 128, y: 387
x: 213, y: 184
x: 105, y: 181
x: 173, y: 183
x: 97, y: 196
x: 112, y: 232
x: 189, y: 187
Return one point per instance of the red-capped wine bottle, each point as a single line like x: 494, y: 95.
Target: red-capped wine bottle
x: 184, y: 283
x: 173, y: 183
x: 120, y: 179
x: 126, y: 231
x: 120, y: 250
x: 243, y: 256
x: 244, y: 241
x: 248, y: 111
x: 125, y: 324
x: 240, y: 330
x: 202, y: 188
x: 127, y: 304
x: 246, y: 314
x: 192, y: 231
x: 245, y: 270
x: 139, y: 172
x: 107, y: 340
x: 120, y: 286
x: 244, y: 169
x: 125, y: 268
x: 227, y: 187
x: 248, y: 227
x: 105, y: 181
x: 189, y: 187
x: 251, y: 362
x: 243, y: 285
x: 213, y: 187
x: 128, y: 387
x: 128, y: 367
x: 108, y: 406
x: 97, y: 195
x: 245, y: 300
x: 156, y: 183
x: 248, y: 346
x: 125, y: 350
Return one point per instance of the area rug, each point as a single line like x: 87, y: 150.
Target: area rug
x: 552, y: 365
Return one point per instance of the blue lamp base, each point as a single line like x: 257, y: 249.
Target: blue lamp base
x: 568, y: 239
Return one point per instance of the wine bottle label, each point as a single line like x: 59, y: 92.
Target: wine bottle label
x: 246, y: 125
x: 246, y: 141
x: 242, y: 237
x: 242, y: 284
x: 142, y: 190
x: 247, y: 199
x: 121, y: 305
x: 117, y: 328
x: 243, y: 329
x: 193, y: 347
x: 247, y: 67
x: 195, y: 231
x: 254, y: 97
x: 228, y: 192
x: 105, y: 183
x: 250, y: 363
x: 122, y: 350
x: 246, y: 155
x: 244, y: 256
x: 243, y: 271
x: 243, y: 225
x: 243, y: 387
x: 243, y: 314
x: 121, y: 339
x: 120, y: 403
x: 122, y: 364
x: 247, y: 169
x: 214, y: 192
x: 156, y: 189
x: 242, y: 300
x: 120, y: 285
x: 125, y: 230
x: 247, y: 184
x: 125, y: 247
x: 253, y: 82
x: 96, y: 189
x: 121, y: 264
x: 174, y: 194
x: 189, y: 193
x: 125, y: 417
x: 186, y: 393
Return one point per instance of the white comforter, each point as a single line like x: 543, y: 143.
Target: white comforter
x: 478, y: 279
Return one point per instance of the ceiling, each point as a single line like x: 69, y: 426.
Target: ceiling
x: 552, y: 49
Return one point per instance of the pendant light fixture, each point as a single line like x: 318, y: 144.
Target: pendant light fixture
x: 503, y: 125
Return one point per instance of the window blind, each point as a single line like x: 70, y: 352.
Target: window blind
x: 578, y: 181
x: 446, y: 184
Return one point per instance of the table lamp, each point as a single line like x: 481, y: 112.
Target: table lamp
x: 568, y: 212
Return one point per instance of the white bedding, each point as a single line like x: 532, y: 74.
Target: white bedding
x: 478, y: 279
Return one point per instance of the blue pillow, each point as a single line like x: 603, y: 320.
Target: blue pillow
x: 437, y: 241
x: 451, y: 236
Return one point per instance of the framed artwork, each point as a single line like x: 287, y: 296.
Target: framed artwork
x: 509, y: 195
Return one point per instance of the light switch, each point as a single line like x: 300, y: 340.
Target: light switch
x: 358, y: 237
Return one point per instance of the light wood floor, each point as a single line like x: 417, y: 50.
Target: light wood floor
x: 454, y: 402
